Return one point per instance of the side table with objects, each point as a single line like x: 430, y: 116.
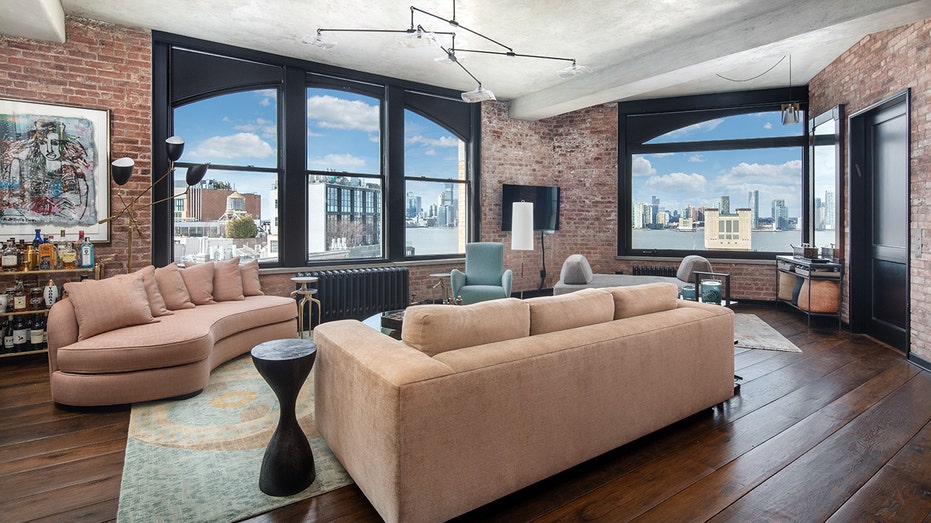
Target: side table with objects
x: 288, y: 465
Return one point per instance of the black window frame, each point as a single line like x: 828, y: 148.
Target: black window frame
x: 291, y: 77
x: 686, y: 110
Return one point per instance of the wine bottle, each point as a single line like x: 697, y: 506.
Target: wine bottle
x: 37, y: 332
x: 8, y: 345
x: 4, y: 325
x: 20, y: 334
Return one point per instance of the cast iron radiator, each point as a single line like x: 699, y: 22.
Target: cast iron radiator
x: 358, y: 293
x: 654, y: 270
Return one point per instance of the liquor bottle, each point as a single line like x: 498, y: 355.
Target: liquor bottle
x: 20, y: 334
x: 20, y: 300
x: 37, y: 241
x: 37, y: 333
x: 21, y: 255
x: 87, y: 252
x: 9, y: 259
x: 66, y: 253
x: 31, y: 256
x: 47, y: 258
x: 4, y: 325
x: 8, y: 345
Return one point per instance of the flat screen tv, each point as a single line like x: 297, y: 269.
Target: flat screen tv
x: 545, y: 205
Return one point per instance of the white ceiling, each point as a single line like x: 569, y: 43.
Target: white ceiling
x: 637, y: 49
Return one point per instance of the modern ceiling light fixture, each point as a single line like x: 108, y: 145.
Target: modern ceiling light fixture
x: 417, y: 36
x: 791, y: 110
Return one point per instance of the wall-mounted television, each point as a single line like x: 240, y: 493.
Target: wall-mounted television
x: 545, y: 205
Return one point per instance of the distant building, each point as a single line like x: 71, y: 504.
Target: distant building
x: 753, y: 201
x: 728, y: 232
x: 780, y: 215
x: 725, y: 207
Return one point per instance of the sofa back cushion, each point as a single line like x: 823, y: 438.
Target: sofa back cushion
x: 249, y: 271
x: 156, y: 301
x: 567, y: 311
x: 172, y: 287
x: 576, y: 270
x: 198, y: 279
x: 227, y: 281
x: 636, y: 300
x: 105, y: 305
x: 433, y: 329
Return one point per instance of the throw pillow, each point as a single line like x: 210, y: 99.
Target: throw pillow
x: 105, y: 305
x: 251, y: 286
x: 199, y: 282
x: 636, y: 300
x: 576, y: 270
x: 156, y: 301
x: 171, y: 285
x: 227, y: 281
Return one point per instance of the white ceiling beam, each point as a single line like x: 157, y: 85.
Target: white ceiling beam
x: 33, y: 19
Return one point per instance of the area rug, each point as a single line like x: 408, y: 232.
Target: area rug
x: 199, y: 459
x: 750, y: 332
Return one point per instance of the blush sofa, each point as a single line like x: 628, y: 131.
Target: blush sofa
x: 157, y: 333
x: 478, y: 401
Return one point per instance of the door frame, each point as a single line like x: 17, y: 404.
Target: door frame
x: 860, y: 194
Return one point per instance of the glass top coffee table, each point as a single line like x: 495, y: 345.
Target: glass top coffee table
x: 388, y: 322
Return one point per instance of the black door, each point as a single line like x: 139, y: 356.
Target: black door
x: 879, y: 237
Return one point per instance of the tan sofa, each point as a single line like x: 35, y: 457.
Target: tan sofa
x: 478, y: 401
x: 157, y: 333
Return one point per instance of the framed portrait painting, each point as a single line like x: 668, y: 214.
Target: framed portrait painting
x: 54, y: 170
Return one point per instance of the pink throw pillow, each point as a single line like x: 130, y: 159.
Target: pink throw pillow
x: 156, y: 301
x: 199, y: 282
x: 227, y: 281
x: 105, y: 305
x: 171, y: 285
x: 251, y: 286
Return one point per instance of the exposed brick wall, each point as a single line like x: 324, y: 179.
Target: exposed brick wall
x: 99, y: 67
x: 879, y: 66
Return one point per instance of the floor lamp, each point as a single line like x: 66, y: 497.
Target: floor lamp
x: 522, y: 232
x: 121, y: 170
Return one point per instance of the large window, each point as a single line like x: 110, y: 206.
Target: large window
x: 436, y: 188
x: 233, y: 211
x: 721, y: 182
x: 310, y: 164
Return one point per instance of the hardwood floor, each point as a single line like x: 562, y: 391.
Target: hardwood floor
x: 841, y: 432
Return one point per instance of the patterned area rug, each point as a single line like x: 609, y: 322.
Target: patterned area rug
x: 199, y: 459
x: 753, y: 333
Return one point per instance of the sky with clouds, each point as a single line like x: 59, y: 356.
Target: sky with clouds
x: 700, y: 179
x: 342, y: 136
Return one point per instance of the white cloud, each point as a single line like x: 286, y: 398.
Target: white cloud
x: 700, y: 127
x: 239, y: 145
x: 768, y: 125
x: 678, y: 182
x: 744, y: 172
x: 444, y: 141
x: 338, y: 161
x: 331, y: 112
x: 642, y: 167
x: 696, y: 158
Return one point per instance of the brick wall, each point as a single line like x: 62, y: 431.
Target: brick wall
x: 99, y: 67
x: 880, y: 65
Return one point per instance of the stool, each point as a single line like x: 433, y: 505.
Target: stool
x: 288, y: 465
x: 307, y: 295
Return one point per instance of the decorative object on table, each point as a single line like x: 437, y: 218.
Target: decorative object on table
x: 443, y: 284
x: 51, y: 294
x: 711, y: 291
x: 198, y: 459
x: 60, y: 153
x: 819, y: 296
x: 392, y: 320
x: 121, y: 170
x: 688, y: 292
x: 288, y: 464
x: 418, y: 36
x: 522, y: 232
x: 750, y: 332
x: 804, y: 251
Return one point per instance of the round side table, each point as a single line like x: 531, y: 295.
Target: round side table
x: 307, y: 296
x: 288, y: 465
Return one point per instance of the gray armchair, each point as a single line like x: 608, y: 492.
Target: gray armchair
x: 485, y: 277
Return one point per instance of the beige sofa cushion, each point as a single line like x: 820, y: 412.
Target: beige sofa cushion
x: 249, y: 271
x: 227, y: 281
x: 172, y: 287
x: 433, y: 329
x: 198, y: 279
x: 156, y: 301
x: 105, y: 305
x: 567, y: 311
x: 637, y: 300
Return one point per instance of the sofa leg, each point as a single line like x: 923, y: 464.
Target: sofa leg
x: 186, y: 396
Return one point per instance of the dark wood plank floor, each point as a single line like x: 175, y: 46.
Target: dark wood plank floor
x: 841, y: 432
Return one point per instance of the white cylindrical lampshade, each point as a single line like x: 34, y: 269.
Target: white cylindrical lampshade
x: 522, y: 226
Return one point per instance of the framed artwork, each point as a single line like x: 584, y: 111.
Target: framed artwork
x: 54, y: 170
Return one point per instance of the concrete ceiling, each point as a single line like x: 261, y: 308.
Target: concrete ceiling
x: 637, y: 49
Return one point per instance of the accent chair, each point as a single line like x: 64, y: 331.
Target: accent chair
x: 485, y: 277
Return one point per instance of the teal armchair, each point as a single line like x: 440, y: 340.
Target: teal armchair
x: 485, y: 277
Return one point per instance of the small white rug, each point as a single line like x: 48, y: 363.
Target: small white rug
x: 751, y: 332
